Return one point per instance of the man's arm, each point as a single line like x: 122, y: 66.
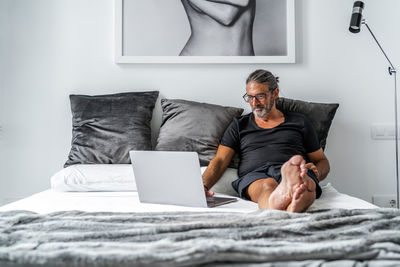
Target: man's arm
x: 320, y: 164
x: 217, y: 167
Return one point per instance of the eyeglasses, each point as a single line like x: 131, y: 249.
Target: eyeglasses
x: 259, y: 97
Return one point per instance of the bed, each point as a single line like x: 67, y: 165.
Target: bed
x: 91, y: 215
x: 92, y: 227
x: 54, y: 201
x: 54, y: 228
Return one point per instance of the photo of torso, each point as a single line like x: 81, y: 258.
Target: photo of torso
x: 204, y: 28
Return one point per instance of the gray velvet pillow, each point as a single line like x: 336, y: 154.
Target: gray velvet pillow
x: 194, y: 126
x: 320, y: 114
x: 107, y: 127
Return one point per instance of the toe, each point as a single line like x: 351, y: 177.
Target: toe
x: 297, y: 160
x: 300, y: 190
x: 310, y: 184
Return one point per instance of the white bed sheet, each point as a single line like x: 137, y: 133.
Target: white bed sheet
x: 52, y: 201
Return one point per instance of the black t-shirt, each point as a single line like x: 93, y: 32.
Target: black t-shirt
x: 258, y: 147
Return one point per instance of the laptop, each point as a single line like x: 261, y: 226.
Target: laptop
x: 171, y: 177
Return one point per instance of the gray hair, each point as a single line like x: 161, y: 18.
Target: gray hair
x: 264, y: 76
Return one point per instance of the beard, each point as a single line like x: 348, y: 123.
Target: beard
x: 265, y: 109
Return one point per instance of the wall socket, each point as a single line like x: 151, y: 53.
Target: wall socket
x: 385, y: 201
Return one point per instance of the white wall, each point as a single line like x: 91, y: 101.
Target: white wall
x: 50, y: 49
x: 3, y: 38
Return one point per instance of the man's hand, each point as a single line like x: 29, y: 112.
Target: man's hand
x: 208, y: 192
x: 319, y: 159
x: 313, y: 168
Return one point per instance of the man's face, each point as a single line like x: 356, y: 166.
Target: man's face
x: 261, y: 106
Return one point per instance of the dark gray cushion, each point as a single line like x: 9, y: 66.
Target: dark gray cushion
x: 320, y: 114
x: 107, y: 127
x: 193, y: 126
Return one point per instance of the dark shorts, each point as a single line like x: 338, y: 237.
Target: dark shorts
x: 271, y: 171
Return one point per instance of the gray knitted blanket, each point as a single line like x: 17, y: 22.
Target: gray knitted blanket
x: 262, y: 238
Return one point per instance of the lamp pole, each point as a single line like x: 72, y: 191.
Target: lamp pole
x: 392, y: 72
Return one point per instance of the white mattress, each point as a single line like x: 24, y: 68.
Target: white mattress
x: 52, y: 201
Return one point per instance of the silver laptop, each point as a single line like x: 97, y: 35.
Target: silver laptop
x: 171, y: 177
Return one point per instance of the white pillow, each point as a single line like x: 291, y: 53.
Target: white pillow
x: 95, y: 177
x: 118, y: 177
x: 224, y: 185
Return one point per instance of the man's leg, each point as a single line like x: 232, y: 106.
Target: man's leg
x: 259, y: 191
x: 295, y: 185
x: 295, y: 192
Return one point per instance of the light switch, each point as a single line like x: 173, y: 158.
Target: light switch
x: 380, y: 130
x: 391, y: 131
x: 383, y: 131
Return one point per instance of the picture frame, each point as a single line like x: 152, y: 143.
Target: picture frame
x: 146, y: 32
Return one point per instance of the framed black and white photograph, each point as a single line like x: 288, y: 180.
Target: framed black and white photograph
x: 204, y: 31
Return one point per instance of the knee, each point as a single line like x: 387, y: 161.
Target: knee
x: 261, y: 187
x: 268, y: 185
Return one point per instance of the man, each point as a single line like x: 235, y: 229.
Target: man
x: 273, y: 149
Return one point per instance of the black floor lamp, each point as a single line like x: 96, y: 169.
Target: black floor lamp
x: 356, y: 21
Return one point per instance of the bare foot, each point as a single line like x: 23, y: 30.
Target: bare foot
x: 303, y: 197
x: 293, y: 175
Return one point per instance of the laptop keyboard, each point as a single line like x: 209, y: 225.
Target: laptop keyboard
x: 215, y: 201
x: 210, y: 199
